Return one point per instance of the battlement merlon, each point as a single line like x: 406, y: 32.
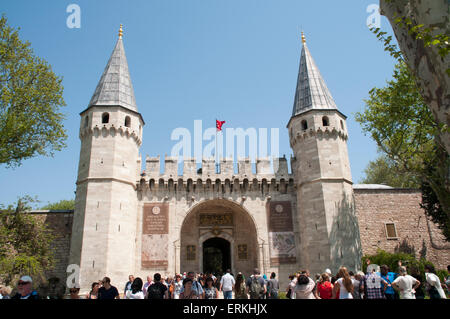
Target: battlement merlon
x: 210, y: 171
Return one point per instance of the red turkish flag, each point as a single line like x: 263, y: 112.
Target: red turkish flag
x: 219, y: 125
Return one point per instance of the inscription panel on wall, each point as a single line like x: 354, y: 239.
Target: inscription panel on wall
x: 155, y: 236
x: 281, y: 233
x: 243, y: 252
x: 216, y: 219
x: 190, y: 252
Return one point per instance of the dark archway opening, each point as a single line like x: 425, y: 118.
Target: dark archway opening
x: 216, y: 255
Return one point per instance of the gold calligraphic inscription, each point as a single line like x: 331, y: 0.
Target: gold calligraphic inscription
x: 242, y: 252
x: 190, y: 252
x: 216, y: 219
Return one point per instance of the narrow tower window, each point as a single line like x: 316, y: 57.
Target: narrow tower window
x: 325, y: 121
x: 342, y: 124
x: 86, y: 121
x: 128, y: 121
x: 304, y: 125
x: 105, y: 118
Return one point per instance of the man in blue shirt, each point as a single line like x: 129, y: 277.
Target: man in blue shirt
x: 389, y: 277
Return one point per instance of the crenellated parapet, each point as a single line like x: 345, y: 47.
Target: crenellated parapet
x: 106, y: 130
x: 327, y: 132
x: 228, y: 178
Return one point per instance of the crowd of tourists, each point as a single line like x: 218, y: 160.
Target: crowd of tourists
x: 381, y: 284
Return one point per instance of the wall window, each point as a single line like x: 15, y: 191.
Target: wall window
x: 342, y: 124
x: 127, y: 121
x: 86, y: 121
x: 391, y: 231
x: 304, y: 125
x: 325, y: 121
x: 105, y: 118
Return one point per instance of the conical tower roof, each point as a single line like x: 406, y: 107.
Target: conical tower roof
x: 312, y: 92
x: 115, y: 87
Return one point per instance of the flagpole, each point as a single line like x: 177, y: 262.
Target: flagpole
x: 217, y: 164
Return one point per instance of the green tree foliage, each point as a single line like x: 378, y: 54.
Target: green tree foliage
x: 25, y: 243
x: 30, y: 98
x: 385, y: 171
x: 61, y: 205
x: 404, y: 129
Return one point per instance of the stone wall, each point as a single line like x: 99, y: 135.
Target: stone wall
x: 415, y: 233
x: 61, y: 224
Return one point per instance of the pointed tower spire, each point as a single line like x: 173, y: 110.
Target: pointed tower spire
x: 115, y: 87
x: 312, y: 92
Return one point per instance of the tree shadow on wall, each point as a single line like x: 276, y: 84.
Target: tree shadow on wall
x: 345, y: 240
x: 407, y: 248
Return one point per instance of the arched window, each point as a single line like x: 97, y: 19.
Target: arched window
x: 304, y: 125
x: 342, y: 124
x: 105, y: 118
x: 325, y: 121
x: 86, y: 121
x: 127, y: 121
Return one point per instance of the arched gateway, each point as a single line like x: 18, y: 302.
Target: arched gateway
x: 216, y: 235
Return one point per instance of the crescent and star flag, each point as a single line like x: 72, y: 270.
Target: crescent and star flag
x: 219, y: 125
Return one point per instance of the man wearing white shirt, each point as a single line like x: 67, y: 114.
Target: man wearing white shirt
x: 406, y: 284
x: 227, y: 284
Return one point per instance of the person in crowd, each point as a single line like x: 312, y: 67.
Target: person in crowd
x: 333, y: 282
x: 227, y: 284
x: 373, y: 285
x: 290, y: 291
x: 324, y: 287
x: 107, y: 291
x: 147, y: 284
x: 307, y: 274
x: 188, y: 292
x: 74, y: 293
x: 256, y: 287
x: 273, y: 287
x: 196, y: 286
x: 211, y: 292
x: 344, y: 284
x: 447, y: 280
x: 405, y: 284
x: 357, y: 287
x: 317, y: 278
x: 136, y: 290
x: 201, y: 280
x: 128, y: 285
x: 177, y: 287
x: 389, y: 277
x: 433, y: 283
x: 304, y: 288
x: 419, y: 290
x: 25, y: 289
x: 93, y: 294
x: 240, y: 288
x: 5, y: 292
x: 266, y: 295
x: 158, y: 290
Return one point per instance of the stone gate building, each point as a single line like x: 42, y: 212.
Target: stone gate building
x: 129, y: 222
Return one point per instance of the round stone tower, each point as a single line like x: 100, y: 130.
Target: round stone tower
x: 329, y: 233
x: 104, y: 228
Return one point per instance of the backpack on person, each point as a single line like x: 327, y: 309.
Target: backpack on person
x: 255, y: 288
x: 154, y: 292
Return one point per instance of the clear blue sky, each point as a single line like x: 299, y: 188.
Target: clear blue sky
x: 236, y: 60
